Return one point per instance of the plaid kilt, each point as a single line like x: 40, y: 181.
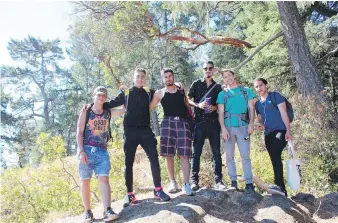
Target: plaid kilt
x: 175, y: 134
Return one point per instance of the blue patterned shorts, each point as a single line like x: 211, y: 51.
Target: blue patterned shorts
x: 98, y: 160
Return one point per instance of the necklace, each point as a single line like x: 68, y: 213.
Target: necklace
x: 264, y: 109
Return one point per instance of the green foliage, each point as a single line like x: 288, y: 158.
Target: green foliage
x: 29, y: 194
x: 49, y: 147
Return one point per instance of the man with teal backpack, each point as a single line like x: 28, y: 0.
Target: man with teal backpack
x: 236, y: 117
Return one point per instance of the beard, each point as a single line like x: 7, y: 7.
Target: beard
x: 207, y: 75
x: 168, y: 84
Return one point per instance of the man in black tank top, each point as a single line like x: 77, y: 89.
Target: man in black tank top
x: 175, y: 131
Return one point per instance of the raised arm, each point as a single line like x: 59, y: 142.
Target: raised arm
x: 115, y: 102
x: 117, y: 111
x: 156, y: 99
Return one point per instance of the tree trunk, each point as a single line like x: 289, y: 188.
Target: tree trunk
x: 333, y: 90
x: 45, y: 110
x: 153, y: 113
x: 307, y: 78
x: 69, y: 140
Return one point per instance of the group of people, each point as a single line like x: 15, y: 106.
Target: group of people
x: 226, y: 111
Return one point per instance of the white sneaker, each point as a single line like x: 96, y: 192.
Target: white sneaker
x: 186, y: 189
x: 172, y: 187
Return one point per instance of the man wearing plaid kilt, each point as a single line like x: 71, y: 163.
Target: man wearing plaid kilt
x: 175, y: 130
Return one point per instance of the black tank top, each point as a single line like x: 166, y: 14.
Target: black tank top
x: 173, y: 104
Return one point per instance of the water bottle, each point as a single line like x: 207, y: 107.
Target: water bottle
x: 208, y: 100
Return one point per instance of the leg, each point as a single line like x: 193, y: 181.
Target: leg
x: 148, y: 143
x: 184, y: 142
x: 130, y: 146
x: 229, y: 147
x: 170, y: 167
x: 199, y: 138
x: 275, y: 148
x: 86, y: 172
x: 105, y: 191
x: 185, y: 164
x: 102, y: 169
x: 214, y: 139
x: 85, y: 192
x: 244, y: 149
x: 168, y: 145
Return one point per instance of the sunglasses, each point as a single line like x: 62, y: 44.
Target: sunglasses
x: 208, y: 68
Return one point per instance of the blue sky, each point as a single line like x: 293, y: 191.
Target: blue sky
x: 47, y: 20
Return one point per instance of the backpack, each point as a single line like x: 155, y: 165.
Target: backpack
x: 245, y: 117
x: 289, y: 109
x: 126, y: 97
x: 109, y: 117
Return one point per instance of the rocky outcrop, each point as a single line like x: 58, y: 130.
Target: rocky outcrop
x: 210, y: 205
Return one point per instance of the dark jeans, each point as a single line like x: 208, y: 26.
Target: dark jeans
x: 203, y: 130
x: 145, y: 137
x: 275, y: 148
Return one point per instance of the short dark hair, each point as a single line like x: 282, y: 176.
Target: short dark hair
x: 166, y: 70
x: 209, y: 62
x: 227, y: 70
x: 262, y: 79
x: 140, y: 70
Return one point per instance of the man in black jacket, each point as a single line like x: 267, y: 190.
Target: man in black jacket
x: 137, y: 131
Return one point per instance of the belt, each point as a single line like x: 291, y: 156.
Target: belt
x: 176, y: 118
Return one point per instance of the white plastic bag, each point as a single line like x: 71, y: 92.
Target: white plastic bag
x: 293, y: 171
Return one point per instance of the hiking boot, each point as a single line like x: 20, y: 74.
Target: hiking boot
x: 234, y: 185
x: 129, y: 199
x: 110, y: 215
x: 161, y: 195
x: 186, y: 189
x: 172, y: 187
x: 274, y: 189
x: 249, y: 188
x: 219, y: 186
x: 195, y: 186
x: 89, y: 216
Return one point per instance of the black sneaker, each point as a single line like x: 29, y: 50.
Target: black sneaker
x: 110, y: 215
x: 89, y: 216
x: 195, y: 186
x: 249, y: 188
x: 161, y: 195
x: 234, y: 185
x: 274, y: 189
x: 129, y: 199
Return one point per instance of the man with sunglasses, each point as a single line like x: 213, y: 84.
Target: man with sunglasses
x: 202, y: 96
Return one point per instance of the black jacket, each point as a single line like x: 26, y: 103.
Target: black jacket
x: 137, y: 114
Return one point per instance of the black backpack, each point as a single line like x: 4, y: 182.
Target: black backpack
x: 109, y: 117
x: 289, y: 109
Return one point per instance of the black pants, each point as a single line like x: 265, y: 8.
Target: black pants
x: 203, y: 130
x: 145, y: 137
x: 275, y: 147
